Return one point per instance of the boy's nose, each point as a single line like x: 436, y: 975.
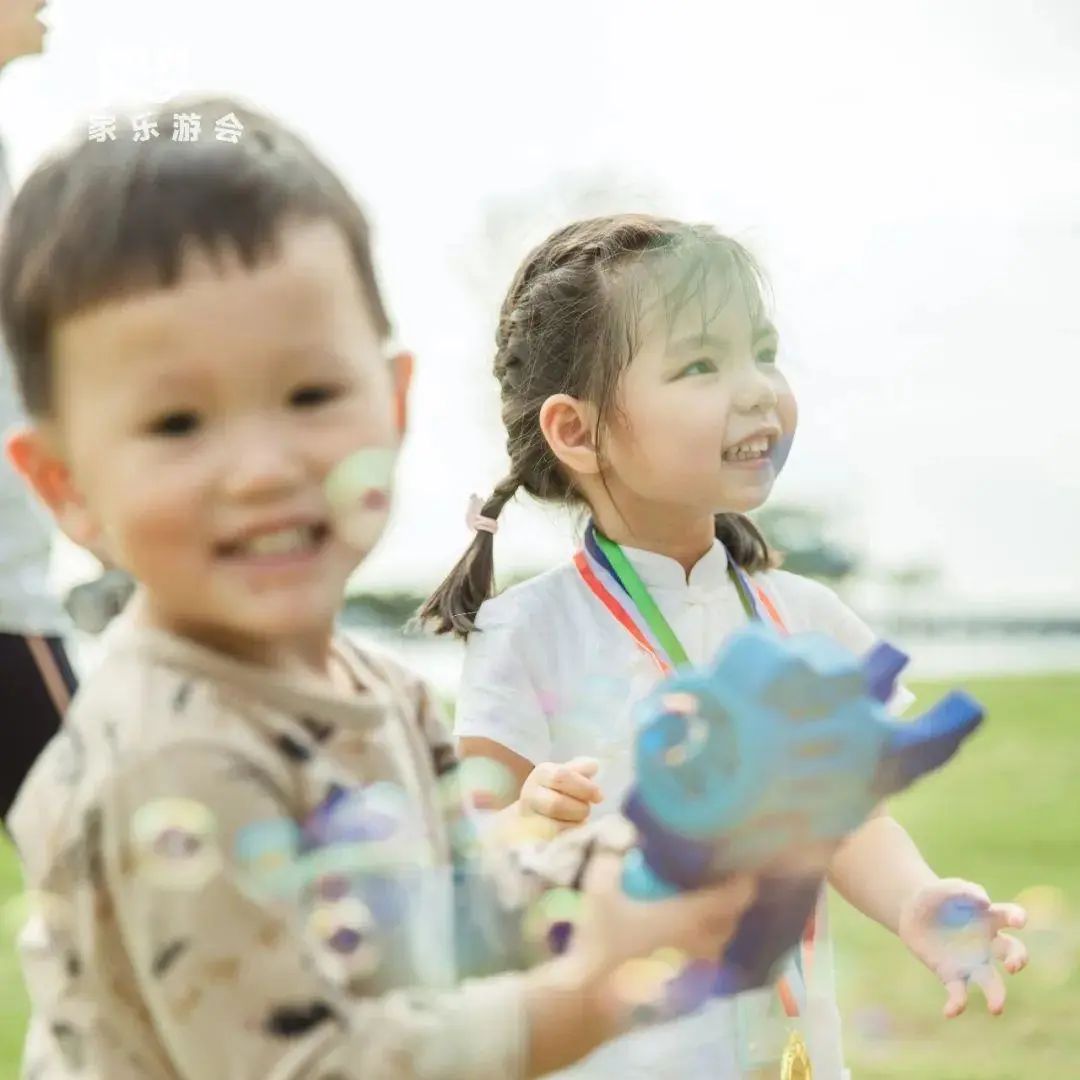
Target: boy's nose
x: 260, y: 462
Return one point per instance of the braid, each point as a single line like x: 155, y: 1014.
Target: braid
x: 745, y: 542
x: 452, y: 607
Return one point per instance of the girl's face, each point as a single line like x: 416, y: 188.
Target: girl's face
x: 703, y: 416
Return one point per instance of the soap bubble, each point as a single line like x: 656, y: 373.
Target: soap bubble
x: 266, y: 854
x: 175, y: 843
x: 873, y: 1023
x: 962, y: 927
x: 343, y: 933
x: 1052, y: 934
x: 551, y: 920
x: 359, y: 816
x: 358, y: 490
x: 642, y: 986
x: 485, y: 784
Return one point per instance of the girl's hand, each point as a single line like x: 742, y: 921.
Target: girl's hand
x: 564, y: 793
x: 954, y: 929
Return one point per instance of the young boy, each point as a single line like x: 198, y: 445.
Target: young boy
x: 200, y: 341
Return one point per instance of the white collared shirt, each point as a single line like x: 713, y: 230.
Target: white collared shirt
x: 548, y: 655
x: 552, y: 675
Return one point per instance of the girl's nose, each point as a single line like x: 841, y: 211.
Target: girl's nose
x: 757, y: 391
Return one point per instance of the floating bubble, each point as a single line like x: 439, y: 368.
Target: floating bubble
x: 1052, y: 934
x: 330, y: 888
x: 962, y: 925
x: 552, y: 918
x: 343, y: 933
x: 485, y: 784
x: 549, y: 702
x: 358, y: 816
x: 874, y: 1023
x: 266, y: 851
x: 465, y: 838
x: 640, y: 981
x: 175, y: 843
x: 358, y: 491
x: 642, y: 986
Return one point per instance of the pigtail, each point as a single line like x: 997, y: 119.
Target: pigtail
x: 745, y: 543
x: 452, y: 607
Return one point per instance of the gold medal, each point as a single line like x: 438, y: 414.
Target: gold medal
x: 795, y: 1064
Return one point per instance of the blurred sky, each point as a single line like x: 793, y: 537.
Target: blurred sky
x: 908, y: 171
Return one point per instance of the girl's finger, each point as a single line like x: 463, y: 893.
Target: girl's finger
x: 587, y: 766
x: 1007, y: 915
x: 993, y: 986
x: 957, y: 1002
x: 1012, y: 953
x: 575, y: 784
x: 951, y: 888
x: 559, y: 807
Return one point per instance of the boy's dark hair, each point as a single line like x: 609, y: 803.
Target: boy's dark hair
x: 569, y: 325
x: 100, y: 220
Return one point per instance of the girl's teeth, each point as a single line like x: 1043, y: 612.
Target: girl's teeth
x: 747, y: 451
x: 284, y: 542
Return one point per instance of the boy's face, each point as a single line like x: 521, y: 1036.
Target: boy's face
x: 192, y: 420
x: 21, y: 31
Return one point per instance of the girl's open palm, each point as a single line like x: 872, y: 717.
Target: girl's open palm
x: 955, y: 930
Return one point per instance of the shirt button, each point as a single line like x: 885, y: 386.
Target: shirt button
x: 696, y: 595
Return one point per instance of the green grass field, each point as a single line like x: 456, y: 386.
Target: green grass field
x: 1006, y: 814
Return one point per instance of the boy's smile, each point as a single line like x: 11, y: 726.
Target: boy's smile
x: 200, y: 423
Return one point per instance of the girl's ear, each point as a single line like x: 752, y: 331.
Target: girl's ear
x: 401, y: 368
x: 31, y: 452
x: 568, y: 425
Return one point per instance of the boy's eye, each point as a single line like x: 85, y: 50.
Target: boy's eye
x: 701, y: 366
x: 175, y: 423
x: 314, y: 395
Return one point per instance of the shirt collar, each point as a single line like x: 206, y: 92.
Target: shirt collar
x: 662, y: 572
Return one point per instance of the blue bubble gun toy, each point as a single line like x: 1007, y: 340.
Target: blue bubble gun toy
x: 763, y: 762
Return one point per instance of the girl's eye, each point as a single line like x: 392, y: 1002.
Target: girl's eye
x: 308, y: 396
x: 175, y: 424
x: 699, y: 367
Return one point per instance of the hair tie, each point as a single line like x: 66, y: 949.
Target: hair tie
x: 475, y: 520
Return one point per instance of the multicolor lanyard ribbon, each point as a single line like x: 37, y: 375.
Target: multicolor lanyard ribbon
x: 612, y: 579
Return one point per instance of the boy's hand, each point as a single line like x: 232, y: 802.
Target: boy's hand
x: 615, y: 928
x: 954, y: 929
x: 564, y: 793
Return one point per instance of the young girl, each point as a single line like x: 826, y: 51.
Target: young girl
x: 639, y: 381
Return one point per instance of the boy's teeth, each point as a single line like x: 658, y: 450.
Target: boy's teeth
x: 283, y: 542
